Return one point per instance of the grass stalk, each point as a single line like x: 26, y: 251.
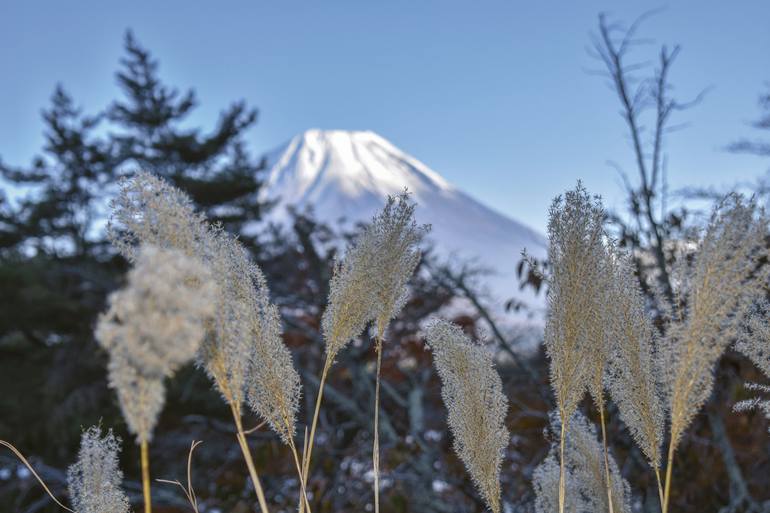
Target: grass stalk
x: 669, y: 464
x: 247, y: 457
x: 27, y: 464
x: 376, y: 444
x: 303, y: 501
x: 607, y: 478
x: 314, y: 424
x: 660, y: 486
x: 562, y: 484
x: 145, y: 463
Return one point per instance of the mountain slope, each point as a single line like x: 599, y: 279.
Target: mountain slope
x: 345, y: 176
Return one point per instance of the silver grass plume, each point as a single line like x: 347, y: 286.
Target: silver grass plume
x: 585, y: 455
x: 599, y: 337
x: 226, y: 352
x: 352, y: 296
x: 754, y: 342
x: 369, y: 281
x: 94, y: 480
x: 755, y: 403
x: 151, y: 328
x: 156, y: 322
x: 473, y: 394
x: 369, y: 284
x: 631, y: 375
x: 719, y: 288
x: 141, y: 397
x: 584, y: 468
x: 545, y: 482
x: 397, y: 235
x: 578, y: 257
x: 242, y: 351
x: 148, y: 210
x: 273, y: 384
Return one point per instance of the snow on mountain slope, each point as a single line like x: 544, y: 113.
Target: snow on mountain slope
x: 345, y: 176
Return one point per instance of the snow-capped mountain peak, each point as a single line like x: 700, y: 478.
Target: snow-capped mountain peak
x: 347, y: 176
x: 361, y: 165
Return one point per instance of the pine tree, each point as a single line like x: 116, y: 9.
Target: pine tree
x: 56, y: 265
x: 57, y: 209
x: 215, y: 168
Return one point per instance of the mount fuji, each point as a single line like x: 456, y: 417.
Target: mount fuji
x: 344, y: 177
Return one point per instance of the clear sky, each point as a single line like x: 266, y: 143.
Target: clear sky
x: 493, y: 95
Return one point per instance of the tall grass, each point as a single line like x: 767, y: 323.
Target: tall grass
x: 193, y: 293
x: 369, y: 287
x: 716, y: 290
x: 656, y: 379
x: 631, y: 378
x: 152, y: 327
x: 574, y: 332
x: 473, y: 395
x: 584, y: 467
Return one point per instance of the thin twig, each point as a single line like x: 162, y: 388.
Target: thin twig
x: 21, y: 457
x: 189, y: 492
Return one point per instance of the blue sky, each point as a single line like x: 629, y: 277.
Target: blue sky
x: 493, y: 95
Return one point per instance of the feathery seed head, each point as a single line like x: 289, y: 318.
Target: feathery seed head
x: 352, y: 296
x: 720, y: 287
x: 756, y: 403
x: 585, y: 456
x: 94, y: 480
x: 225, y: 354
x: 242, y: 349
x: 473, y: 395
x: 545, y: 481
x: 157, y: 321
x: 369, y: 282
x: 600, y: 338
x: 141, y: 397
x: 273, y: 384
x: 396, y: 258
x: 578, y: 277
x: 152, y: 327
x: 246, y: 356
x: 584, y: 473
x: 754, y: 341
x: 148, y: 210
x: 631, y: 375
